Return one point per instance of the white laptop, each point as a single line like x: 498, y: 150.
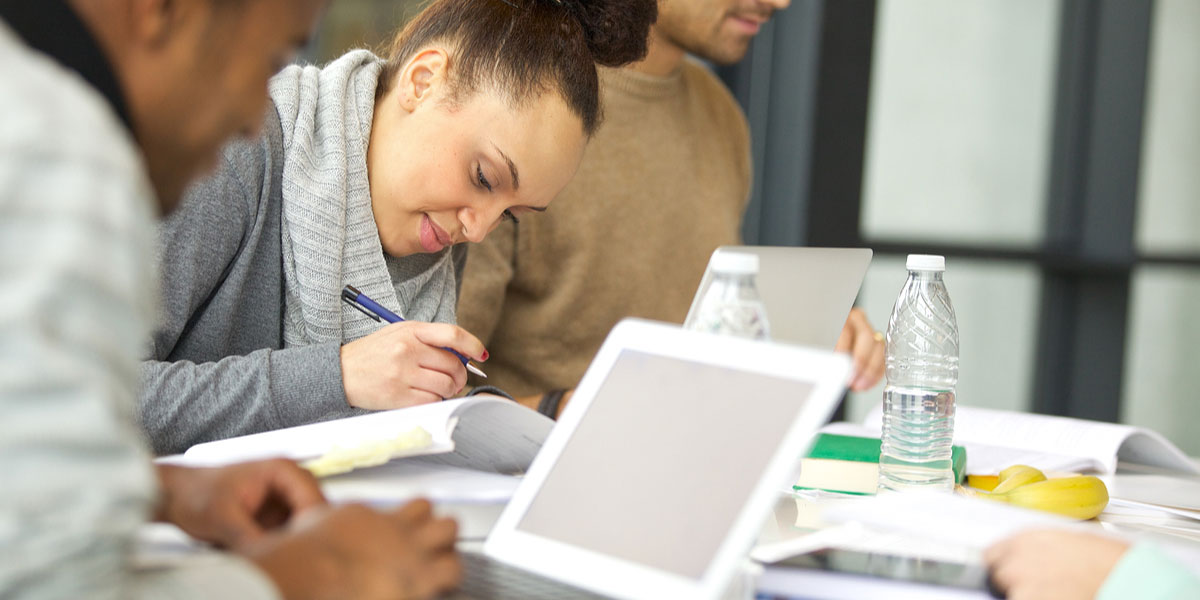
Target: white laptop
x: 662, y: 469
x: 808, y: 292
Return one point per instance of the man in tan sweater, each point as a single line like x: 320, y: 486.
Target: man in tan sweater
x: 663, y: 183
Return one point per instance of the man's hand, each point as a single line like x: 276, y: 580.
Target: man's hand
x: 235, y: 505
x: 866, y: 347
x: 406, y: 364
x: 356, y: 552
x: 1058, y: 565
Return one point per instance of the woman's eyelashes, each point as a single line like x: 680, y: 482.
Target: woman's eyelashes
x: 481, y: 180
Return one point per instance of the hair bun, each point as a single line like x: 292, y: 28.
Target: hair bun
x: 617, y: 31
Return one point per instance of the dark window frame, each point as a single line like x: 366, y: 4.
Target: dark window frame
x: 1087, y: 258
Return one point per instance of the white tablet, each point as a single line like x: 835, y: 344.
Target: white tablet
x: 672, y: 452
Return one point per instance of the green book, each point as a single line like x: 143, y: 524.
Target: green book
x: 850, y: 464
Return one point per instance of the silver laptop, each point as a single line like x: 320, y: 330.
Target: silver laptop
x: 808, y: 292
x: 657, y: 478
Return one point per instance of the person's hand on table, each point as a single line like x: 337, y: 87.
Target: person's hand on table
x: 234, y: 505
x: 357, y: 552
x: 406, y: 364
x: 866, y: 347
x: 1058, y: 565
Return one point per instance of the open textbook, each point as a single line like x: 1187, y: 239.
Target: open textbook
x: 483, y: 433
x: 996, y: 439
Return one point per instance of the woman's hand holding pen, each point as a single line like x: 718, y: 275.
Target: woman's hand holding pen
x: 405, y: 364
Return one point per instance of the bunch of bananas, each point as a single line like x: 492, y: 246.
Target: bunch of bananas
x: 1078, y: 496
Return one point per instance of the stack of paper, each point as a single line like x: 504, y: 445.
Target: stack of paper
x: 400, y: 481
x: 996, y: 439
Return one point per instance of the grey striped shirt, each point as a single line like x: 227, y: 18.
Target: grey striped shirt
x: 76, y: 299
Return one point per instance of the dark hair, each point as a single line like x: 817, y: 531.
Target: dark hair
x: 524, y: 48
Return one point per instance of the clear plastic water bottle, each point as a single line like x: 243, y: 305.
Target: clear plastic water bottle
x: 731, y: 304
x: 922, y: 371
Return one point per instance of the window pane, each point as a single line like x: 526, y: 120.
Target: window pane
x: 996, y: 305
x: 960, y: 121
x: 1160, y: 358
x: 1169, y: 214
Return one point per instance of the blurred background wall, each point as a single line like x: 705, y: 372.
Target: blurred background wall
x: 352, y: 24
x: 1049, y: 148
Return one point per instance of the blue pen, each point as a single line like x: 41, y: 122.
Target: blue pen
x: 372, y: 309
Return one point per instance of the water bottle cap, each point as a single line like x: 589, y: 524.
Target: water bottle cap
x: 735, y: 262
x: 926, y: 262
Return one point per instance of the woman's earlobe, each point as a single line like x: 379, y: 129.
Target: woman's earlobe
x: 406, y: 97
x: 410, y: 90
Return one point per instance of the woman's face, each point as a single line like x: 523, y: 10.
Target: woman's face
x: 443, y: 173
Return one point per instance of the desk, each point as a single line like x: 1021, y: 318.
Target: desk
x: 781, y: 526
x: 163, y: 544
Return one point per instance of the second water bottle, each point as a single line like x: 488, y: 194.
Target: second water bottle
x: 731, y: 304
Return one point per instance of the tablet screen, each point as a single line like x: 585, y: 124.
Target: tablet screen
x: 692, y: 442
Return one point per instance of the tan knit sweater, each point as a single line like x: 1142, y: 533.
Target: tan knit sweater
x: 663, y: 183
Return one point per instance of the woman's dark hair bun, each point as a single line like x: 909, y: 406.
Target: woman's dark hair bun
x: 617, y: 31
x: 529, y: 47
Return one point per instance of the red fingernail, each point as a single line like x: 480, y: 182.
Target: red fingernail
x: 485, y: 355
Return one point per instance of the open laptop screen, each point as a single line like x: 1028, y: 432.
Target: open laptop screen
x: 666, y: 491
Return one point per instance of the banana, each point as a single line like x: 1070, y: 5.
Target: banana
x: 1017, y: 476
x: 986, y: 483
x: 1079, y: 496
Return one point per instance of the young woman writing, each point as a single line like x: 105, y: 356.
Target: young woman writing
x: 369, y: 172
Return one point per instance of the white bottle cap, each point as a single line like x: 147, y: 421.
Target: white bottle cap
x: 926, y: 262
x: 738, y: 263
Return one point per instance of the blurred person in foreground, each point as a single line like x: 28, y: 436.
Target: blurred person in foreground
x: 107, y: 109
x: 664, y: 182
x: 1070, y: 565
